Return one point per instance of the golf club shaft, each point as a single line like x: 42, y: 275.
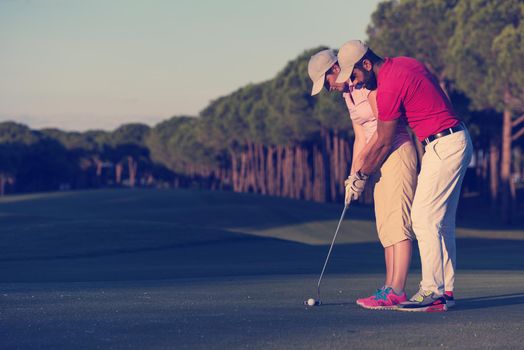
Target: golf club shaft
x: 331, y: 248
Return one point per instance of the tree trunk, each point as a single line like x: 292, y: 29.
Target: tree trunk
x: 308, y: 170
x: 119, y: 168
x: 280, y: 169
x: 254, y: 160
x: 243, y: 172
x: 325, y: 144
x: 505, y: 166
x: 262, y: 171
x: 270, y: 171
x: 297, y: 169
x: 132, y: 166
x: 288, y: 172
x: 285, y: 175
x: 2, y: 184
x: 482, y: 171
x: 234, y: 171
x: 493, y: 171
x: 249, y: 168
x: 98, y: 164
x: 319, y: 186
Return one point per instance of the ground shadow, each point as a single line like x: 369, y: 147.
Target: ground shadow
x: 490, y: 301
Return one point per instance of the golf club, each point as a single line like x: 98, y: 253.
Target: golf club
x: 317, y: 302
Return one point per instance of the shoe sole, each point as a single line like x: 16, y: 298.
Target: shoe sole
x: 430, y: 308
x: 394, y: 307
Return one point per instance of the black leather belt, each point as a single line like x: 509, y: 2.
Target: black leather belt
x: 444, y: 132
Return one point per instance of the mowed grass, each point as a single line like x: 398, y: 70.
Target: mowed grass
x: 184, y: 269
x: 93, y: 222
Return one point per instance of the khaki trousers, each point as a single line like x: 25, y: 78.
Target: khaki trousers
x: 434, y: 208
x: 394, y: 191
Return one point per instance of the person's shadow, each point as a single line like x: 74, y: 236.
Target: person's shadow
x: 489, y: 301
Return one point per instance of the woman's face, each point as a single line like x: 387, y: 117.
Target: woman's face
x: 330, y: 81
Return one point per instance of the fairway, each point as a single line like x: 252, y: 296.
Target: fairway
x: 166, y: 269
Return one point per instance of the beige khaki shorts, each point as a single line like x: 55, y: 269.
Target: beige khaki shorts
x: 395, y: 185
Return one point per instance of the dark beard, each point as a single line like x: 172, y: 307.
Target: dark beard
x: 370, y: 80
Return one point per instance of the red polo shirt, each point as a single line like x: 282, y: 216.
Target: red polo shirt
x: 407, y: 89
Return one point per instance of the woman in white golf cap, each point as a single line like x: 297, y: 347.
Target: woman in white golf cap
x: 394, y: 185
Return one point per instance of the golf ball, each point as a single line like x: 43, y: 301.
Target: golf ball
x: 311, y: 301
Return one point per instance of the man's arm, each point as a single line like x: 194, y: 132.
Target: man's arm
x: 381, y: 147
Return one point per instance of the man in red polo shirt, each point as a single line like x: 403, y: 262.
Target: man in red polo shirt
x: 407, y: 90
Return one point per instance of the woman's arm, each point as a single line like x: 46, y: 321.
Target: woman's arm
x: 359, y: 161
x: 382, y: 140
x: 358, y: 146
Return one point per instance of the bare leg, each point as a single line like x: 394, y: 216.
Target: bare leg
x: 401, y: 261
x: 389, y: 256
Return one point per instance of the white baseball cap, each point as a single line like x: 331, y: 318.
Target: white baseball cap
x: 317, y: 67
x: 349, y: 54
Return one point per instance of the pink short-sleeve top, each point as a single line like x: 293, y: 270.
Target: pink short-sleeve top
x: 361, y: 113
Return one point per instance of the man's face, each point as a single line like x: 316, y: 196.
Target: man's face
x: 366, y: 77
x: 331, y: 77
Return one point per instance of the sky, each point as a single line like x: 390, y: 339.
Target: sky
x: 97, y: 64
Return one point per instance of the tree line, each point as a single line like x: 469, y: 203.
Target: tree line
x: 273, y: 138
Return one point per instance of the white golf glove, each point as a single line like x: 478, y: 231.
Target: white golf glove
x: 354, y: 186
